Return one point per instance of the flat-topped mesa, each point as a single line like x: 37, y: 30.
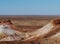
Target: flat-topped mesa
x: 50, y: 28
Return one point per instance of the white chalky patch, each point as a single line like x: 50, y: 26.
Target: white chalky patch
x: 56, y: 35
x: 6, y: 30
x: 42, y: 31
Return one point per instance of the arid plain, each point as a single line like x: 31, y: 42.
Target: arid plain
x: 29, y: 23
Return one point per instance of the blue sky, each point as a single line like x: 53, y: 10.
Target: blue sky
x: 29, y: 7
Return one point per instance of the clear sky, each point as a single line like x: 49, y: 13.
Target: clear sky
x: 29, y: 7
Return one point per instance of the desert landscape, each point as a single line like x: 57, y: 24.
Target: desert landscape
x: 28, y: 24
